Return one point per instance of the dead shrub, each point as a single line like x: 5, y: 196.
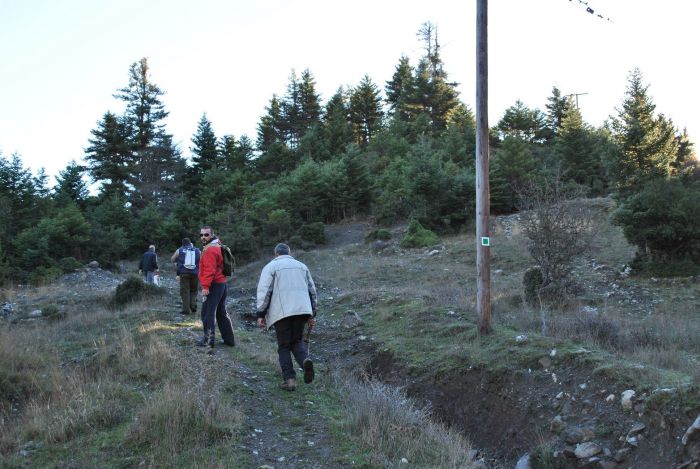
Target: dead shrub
x: 392, y: 427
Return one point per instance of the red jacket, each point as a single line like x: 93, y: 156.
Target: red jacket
x: 211, y: 266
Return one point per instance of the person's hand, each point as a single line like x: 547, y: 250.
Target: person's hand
x: 312, y: 321
x: 177, y: 277
x: 205, y: 291
x: 140, y: 272
x: 261, y: 322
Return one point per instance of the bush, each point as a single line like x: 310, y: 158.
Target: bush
x: 70, y: 264
x: 532, y: 282
x: 135, y: 289
x: 52, y: 312
x: 378, y: 234
x: 314, y: 232
x: 43, y: 275
x: 417, y: 236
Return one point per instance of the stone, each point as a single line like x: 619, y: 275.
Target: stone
x: 576, y: 435
x: 621, y: 454
x: 546, y: 362
x: 94, y: 265
x: 610, y: 398
x: 636, y: 429
x: 587, y: 450
x: 523, y: 462
x: 626, y: 399
x: 557, y: 424
x: 691, y: 431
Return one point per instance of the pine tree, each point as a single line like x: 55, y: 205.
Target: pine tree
x: 310, y: 103
x: 271, y: 126
x: 365, y: 110
x: 400, y: 91
x: 236, y: 154
x: 109, y: 156
x: 557, y: 107
x: 337, y: 130
x: 70, y: 186
x: 576, y: 150
x: 646, y: 143
x: 522, y: 122
x: 205, y: 152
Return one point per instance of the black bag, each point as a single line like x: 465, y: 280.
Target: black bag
x: 229, y: 260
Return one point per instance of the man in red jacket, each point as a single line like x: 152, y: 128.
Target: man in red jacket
x: 214, y: 289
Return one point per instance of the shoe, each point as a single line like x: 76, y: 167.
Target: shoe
x: 308, y: 370
x: 203, y: 342
x: 289, y: 385
x: 228, y: 344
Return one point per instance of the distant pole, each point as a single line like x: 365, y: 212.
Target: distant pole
x: 576, y: 95
x: 483, y: 262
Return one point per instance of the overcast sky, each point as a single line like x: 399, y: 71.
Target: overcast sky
x: 61, y: 61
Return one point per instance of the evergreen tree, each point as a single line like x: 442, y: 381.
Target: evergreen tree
x: 400, y: 91
x: 292, y: 124
x: 310, y: 103
x: 557, y: 107
x: 576, y: 150
x: 365, y: 110
x: 522, y: 122
x: 271, y: 127
x: 70, y: 186
x: 18, y: 194
x: 236, y: 154
x: 336, y: 126
x: 686, y: 161
x: 647, y: 146
x: 109, y: 156
x: 205, y: 152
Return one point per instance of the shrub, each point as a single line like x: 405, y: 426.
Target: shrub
x: 52, y: 312
x: 417, y: 236
x: 135, y: 289
x: 314, y: 232
x: 43, y: 275
x: 532, y: 282
x: 378, y: 234
x: 69, y: 264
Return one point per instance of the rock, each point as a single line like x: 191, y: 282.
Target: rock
x: 94, y: 265
x: 691, y: 431
x: 636, y: 429
x: 587, y: 450
x: 36, y: 313
x: 351, y: 320
x: 523, y: 462
x: 626, y: 399
x: 379, y: 245
x: 434, y: 252
x: 610, y: 398
x: 520, y: 338
x: 7, y: 309
x: 621, y: 454
x: 575, y: 435
x: 632, y: 441
x: 557, y: 424
x: 404, y: 461
x: 546, y: 362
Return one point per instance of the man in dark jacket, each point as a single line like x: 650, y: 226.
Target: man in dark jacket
x: 148, y: 267
x: 186, y: 259
x: 214, y: 289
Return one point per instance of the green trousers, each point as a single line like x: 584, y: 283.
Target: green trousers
x: 189, y: 283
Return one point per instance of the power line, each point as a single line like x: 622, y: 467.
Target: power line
x: 592, y: 11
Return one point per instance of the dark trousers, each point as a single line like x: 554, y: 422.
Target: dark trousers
x: 188, y: 292
x: 214, y: 312
x: 290, y: 332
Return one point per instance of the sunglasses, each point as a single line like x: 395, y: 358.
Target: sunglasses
x: 204, y: 235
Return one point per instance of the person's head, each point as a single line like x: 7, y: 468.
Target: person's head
x: 152, y: 248
x: 282, y: 250
x: 186, y: 241
x: 206, y: 234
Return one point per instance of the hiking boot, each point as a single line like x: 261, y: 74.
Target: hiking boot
x: 228, y: 344
x: 308, y: 370
x: 289, y: 384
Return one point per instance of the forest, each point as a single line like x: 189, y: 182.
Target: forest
x: 397, y: 152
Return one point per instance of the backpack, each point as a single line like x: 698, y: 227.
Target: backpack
x: 229, y: 261
x: 190, y: 260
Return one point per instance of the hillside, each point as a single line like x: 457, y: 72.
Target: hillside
x: 84, y: 385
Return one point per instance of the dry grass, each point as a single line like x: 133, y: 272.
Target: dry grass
x: 180, y: 416
x: 393, y: 428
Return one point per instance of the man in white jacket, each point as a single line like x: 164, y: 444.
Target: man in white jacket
x: 287, y: 299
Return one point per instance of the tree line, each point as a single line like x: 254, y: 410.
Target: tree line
x: 405, y: 153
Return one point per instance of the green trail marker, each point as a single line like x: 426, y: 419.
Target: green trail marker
x: 485, y: 241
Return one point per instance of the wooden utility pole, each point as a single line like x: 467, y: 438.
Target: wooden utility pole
x: 483, y: 262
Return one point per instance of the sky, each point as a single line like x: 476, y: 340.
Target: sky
x: 62, y: 61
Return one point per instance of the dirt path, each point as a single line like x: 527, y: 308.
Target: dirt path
x: 282, y: 429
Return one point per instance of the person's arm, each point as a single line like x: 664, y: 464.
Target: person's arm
x: 175, y: 256
x: 207, y: 270
x: 264, y: 293
x: 312, y: 291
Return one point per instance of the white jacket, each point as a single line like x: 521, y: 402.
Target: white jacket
x: 285, y: 289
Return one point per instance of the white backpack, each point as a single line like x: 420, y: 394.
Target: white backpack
x: 190, y: 262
